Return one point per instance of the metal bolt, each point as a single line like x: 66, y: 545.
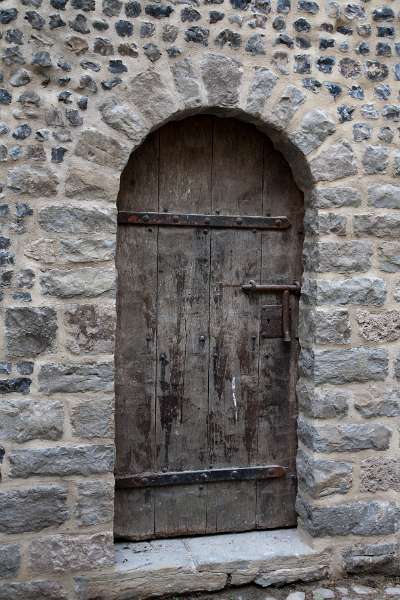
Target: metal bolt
x: 239, y: 221
x: 278, y: 222
x: 202, y: 339
x: 207, y: 221
x: 146, y: 218
x: 175, y: 218
x: 205, y: 231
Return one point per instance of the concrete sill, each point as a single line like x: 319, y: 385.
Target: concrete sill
x: 210, y: 563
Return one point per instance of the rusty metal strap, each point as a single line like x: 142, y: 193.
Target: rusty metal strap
x: 205, y: 221
x: 205, y: 476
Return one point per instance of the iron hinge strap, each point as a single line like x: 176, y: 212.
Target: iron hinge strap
x: 200, y: 476
x: 200, y: 220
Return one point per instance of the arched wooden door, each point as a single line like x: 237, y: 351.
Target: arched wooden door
x: 206, y: 369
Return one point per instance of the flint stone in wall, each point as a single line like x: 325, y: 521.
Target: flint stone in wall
x: 322, y: 403
x: 23, y: 420
x: 344, y: 437
x: 377, y: 225
x: 384, y: 196
x: 70, y: 251
x: 122, y: 118
x: 32, y: 590
x: 149, y: 85
x: 68, y: 219
x: 377, y: 406
x: 380, y: 474
x: 261, y: 88
x: 186, y: 82
x: 341, y: 257
x: 323, y: 477
x: 61, y: 461
x: 63, y: 554
x: 389, y: 257
x: 336, y: 162
x: 10, y: 559
x: 33, y: 508
x: 95, y: 504
x: 372, y: 558
x: 87, y: 282
x: 30, y: 331
x: 102, y: 149
x: 358, y: 290
x: 379, y: 327
x: 75, y: 378
x: 350, y: 365
x: 397, y: 367
x: 222, y: 77
x: 90, y: 328
x: 336, y: 197
x: 315, y: 127
x: 93, y: 419
x: 91, y: 184
x: 352, y: 518
x: 287, y: 106
x: 35, y: 181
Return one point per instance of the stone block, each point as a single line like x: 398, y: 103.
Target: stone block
x: 93, y: 419
x: 260, y: 90
x: 340, y: 257
x: 90, y: 328
x: 95, y: 503
x: 353, y: 365
x: 149, y: 84
x: 372, y: 558
x: 385, y: 195
x: 375, y: 159
x: 357, y: 290
x: 61, y: 461
x: 91, y: 184
x: 322, y: 403
x: 380, y: 474
x: 336, y: 162
x: 377, y: 225
x: 335, y: 197
x: 377, y: 405
x: 20, y: 385
x: 286, y: 576
x: 352, y: 518
x: 379, y: 327
x: 102, y: 149
x: 30, y: 331
x: 64, y: 553
x: 123, y: 119
x: 323, y: 477
x: 10, y: 560
x: 32, y: 590
x: 286, y: 107
x: 64, y: 251
x: 68, y: 219
x: 87, y: 282
x: 316, y: 126
x: 325, y: 326
x: 33, y: 508
x: 344, y: 437
x: 389, y: 257
x: 22, y: 420
x: 32, y: 181
x: 222, y: 77
x: 74, y: 378
x: 186, y: 82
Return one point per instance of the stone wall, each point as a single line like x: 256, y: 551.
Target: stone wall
x: 82, y: 83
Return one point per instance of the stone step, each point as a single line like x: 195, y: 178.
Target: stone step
x: 203, y: 564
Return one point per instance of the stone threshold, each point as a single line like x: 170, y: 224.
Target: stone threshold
x: 205, y: 564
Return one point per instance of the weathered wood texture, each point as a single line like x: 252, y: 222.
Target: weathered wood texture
x: 197, y: 385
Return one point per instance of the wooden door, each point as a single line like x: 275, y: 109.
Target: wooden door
x: 205, y: 382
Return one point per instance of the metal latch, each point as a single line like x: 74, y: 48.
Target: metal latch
x: 269, y: 326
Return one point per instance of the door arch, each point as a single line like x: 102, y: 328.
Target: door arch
x: 205, y: 382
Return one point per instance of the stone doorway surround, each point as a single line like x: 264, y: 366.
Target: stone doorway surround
x: 56, y: 425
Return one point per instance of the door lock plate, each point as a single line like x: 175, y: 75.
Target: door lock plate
x: 271, y: 321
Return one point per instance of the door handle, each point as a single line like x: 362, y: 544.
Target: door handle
x: 285, y: 290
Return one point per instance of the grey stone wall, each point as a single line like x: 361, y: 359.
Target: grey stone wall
x: 82, y: 82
